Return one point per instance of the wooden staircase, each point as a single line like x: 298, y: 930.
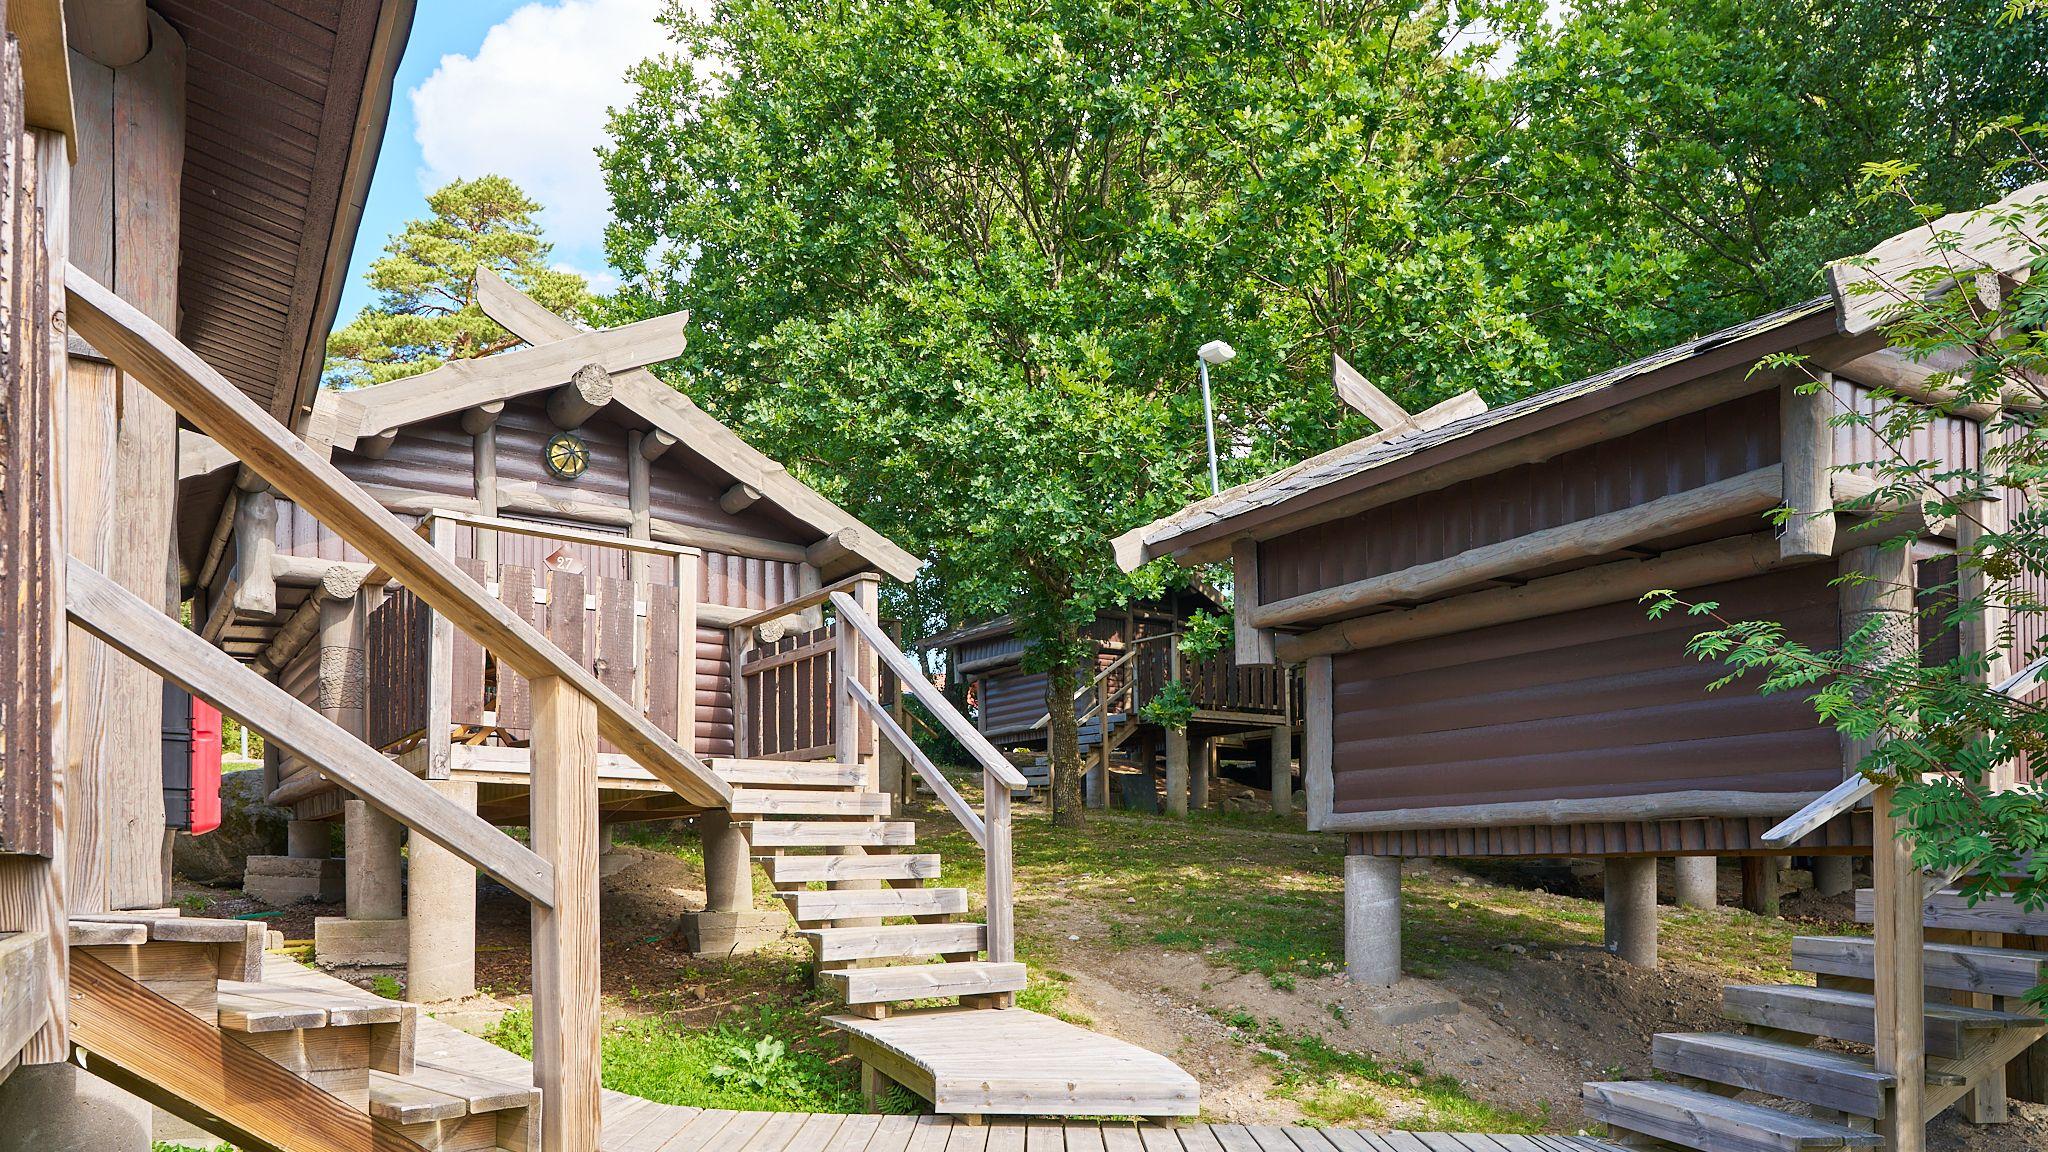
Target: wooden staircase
x: 924, y: 1009
x: 1802, y: 1097
x: 194, y: 1016
x: 874, y: 925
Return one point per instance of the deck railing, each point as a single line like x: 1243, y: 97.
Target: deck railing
x: 571, y: 707
x: 815, y: 691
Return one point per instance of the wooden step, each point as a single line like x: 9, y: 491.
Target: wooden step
x: 787, y: 870
x: 337, y: 1010
x: 1835, y: 1080
x: 896, y: 941
x: 240, y: 1013
x: 925, y: 981
x: 1958, y: 967
x: 1712, y: 1123
x: 1018, y: 1063
x: 434, y: 1093
x: 790, y: 773
x: 1949, y: 909
x: 237, y: 944
x: 1851, y: 1016
x: 814, y: 802
x: 810, y: 907
x: 831, y: 834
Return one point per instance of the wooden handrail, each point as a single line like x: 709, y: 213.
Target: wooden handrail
x: 558, y: 532
x: 143, y: 349
x: 154, y: 640
x: 907, y: 673
x: 1096, y: 683
x: 808, y: 600
x: 940, y: 786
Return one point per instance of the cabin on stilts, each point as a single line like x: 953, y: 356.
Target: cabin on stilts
x: 1243, y: 726
x: 1461, y: 590
x: 539, y: 589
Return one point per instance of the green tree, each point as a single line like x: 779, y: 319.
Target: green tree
x: 1938, y: 730
x: 952, y: 261
x: 1674, y: 166
x: 426, y: 311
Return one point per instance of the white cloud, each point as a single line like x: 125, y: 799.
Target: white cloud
x: 601, y: 280
x: 530, y: 105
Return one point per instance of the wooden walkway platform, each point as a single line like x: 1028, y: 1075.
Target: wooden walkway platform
x: 632, y: 1124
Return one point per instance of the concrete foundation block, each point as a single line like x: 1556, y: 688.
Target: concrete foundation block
x: 1833, y: 875
x: 1632, y: 909
x: 50, y: 1106
x: 1697, y: 881
x: 290, y: 879
x: 1372, y: 919
x: 342, y: 943
x: 726, y: 933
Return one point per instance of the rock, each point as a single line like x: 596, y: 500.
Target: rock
x: 248, y: 827
x: 1515, y: 949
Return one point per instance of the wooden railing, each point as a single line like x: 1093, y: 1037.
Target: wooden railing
x: 999, y: 776
x: 571, y: 707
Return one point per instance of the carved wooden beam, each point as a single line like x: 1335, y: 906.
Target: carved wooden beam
x: 478, y: 419
x: 654, y: 444
x: 738, y: 498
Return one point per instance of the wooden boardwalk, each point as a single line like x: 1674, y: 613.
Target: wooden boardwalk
x: 632, y: 1124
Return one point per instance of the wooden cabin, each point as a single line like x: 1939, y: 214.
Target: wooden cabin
x: 1244, y: 720
x: 541, y: 589
x: 1462, y: 590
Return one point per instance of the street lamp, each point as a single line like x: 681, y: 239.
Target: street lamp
x: 1218, y: 353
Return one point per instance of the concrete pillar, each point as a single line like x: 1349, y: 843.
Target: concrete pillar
x: 1632, y: 909
x: 51, y: 1106
x: 1280, y: 759
x: 1201, y: 771
x: 1696, y: 881
x: 729, y: 922
x: 375, y: 880
x: 1833, y: 875
x: 1372, y: 919
x: 1177, y: 771
x: 441, y: 913
x: 308, y: 840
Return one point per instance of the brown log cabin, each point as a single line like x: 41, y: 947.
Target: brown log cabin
x: 1244, y: 720
x: 541, y: 589
x: 1462, y: 590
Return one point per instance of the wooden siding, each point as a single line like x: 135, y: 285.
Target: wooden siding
x: 1596, y: 703
x: 1726, y: 836
x: 1011, y: 703
x: 395, y: 669
x: 274, y: 94
x: 29, y: 614
x: 1675, y: 456
x: 433, y: 456
x: 1951, y: 440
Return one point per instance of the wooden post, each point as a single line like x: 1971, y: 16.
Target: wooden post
x: 440, y: 670
x: 1760, y: 884
x: 1254, y: 644
x: 1177, y: 771
x: 852, y: 732
x: 1886, y: 589
x: 1200, y: 772
x: 1280, y: 762
x: 686, y: 656
x: 738, y: 643
x: 565, y: 964
x: 639, y: 498
x: 1317, y: 739
x: 1808, y: 446
x: 484, y: 455
x: 1001, y: 898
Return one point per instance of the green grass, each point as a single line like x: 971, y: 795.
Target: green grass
x: 1334, y: 1086
x: 771, y: 1058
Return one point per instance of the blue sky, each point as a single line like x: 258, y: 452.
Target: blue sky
x: 517, y: 87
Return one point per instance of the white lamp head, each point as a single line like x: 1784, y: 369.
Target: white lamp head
x: 1216, y: 352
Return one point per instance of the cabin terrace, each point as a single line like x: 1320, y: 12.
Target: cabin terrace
x: 1245, y: 720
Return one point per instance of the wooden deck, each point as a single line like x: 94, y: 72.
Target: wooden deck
x: 632, y: 1124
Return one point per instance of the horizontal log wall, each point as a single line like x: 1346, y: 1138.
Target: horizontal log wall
x: 1700, y: 448
x: 1591, y: 704
x: 1702, y: 837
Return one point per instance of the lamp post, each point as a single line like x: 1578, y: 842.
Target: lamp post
x: 1218, y: 353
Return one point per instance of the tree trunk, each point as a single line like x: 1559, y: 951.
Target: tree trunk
x: 1063, y: 746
